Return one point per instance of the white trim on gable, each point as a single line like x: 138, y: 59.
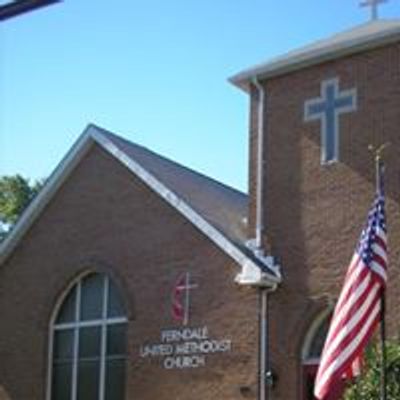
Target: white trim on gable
x: 54, y: 182
x: 252, y: 272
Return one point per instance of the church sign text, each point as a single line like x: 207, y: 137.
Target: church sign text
x: 185, y: 347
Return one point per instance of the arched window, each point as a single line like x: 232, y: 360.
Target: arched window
x: 315, y: 338
x: 88, y: 336
x: 312, y: 350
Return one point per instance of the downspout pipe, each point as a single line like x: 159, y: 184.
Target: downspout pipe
x: 266, y: 379
x: 265, y: 375
x: 260, y: 164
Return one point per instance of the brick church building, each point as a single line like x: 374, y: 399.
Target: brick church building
x: 132, y: 277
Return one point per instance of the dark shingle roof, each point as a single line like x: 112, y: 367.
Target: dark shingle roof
x: 222, y: 206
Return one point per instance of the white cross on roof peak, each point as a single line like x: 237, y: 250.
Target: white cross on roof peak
x: 374, y: 4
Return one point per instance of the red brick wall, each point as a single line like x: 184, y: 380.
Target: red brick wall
x: 314, y: 213
x: 104, y: 219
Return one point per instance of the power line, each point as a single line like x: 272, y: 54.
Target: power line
x: 17, y: 7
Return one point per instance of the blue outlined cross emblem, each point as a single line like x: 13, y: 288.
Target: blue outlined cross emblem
x: 328, y: 108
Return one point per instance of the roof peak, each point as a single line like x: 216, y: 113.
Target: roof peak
x: 166, y: 159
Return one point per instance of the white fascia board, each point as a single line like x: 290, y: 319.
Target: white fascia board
x: 295, y: 62
x: 265, y: 279
x: 40, y: 201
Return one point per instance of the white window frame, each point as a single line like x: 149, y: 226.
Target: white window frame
x: 103, y: 323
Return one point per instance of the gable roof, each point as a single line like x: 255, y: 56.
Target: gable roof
x: 363, y: 37
x: 217, y: 210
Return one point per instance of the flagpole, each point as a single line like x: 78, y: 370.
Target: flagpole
x: 383, y: 347
x: 383, y: 381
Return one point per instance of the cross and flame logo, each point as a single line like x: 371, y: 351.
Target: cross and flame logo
x: 180, y: 308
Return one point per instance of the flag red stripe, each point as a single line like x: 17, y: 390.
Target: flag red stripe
x: 352, y: 281
x: 381, y: 241
x: 323, y: 391
x: 352, y: 310
x: 347, y: 332
x: 355, y: 296
x: 337, y: 370
x: 378, y: 259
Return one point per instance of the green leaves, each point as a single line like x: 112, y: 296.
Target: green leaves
x: 367, y: 387
x: 15, y: 194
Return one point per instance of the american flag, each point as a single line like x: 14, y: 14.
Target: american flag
x: 358, y: 310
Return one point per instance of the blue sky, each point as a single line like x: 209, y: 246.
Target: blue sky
x: 153, y: 71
